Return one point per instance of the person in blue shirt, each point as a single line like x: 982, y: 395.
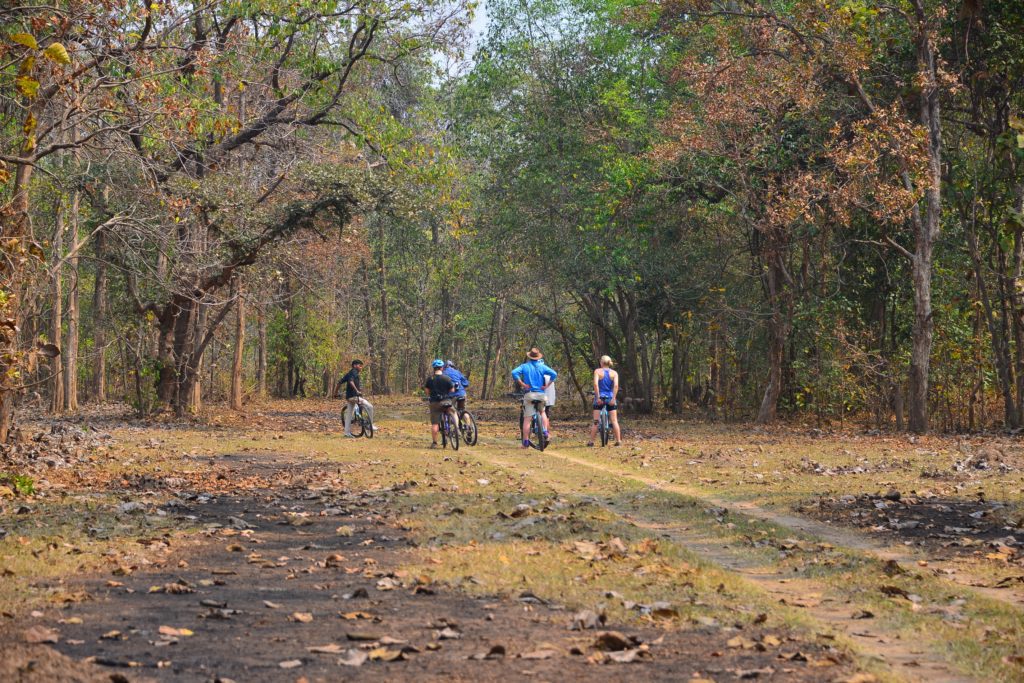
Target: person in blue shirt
x: 461, y: 383
x: 606, y: 388
x: 533, y: 377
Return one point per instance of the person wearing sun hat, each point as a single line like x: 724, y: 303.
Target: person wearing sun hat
x: 533, y: 377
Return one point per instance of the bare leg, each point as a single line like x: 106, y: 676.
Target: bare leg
x: 526, y: 427
x: 615, y: 426
x: 434, y: 431
x: 593, y: 427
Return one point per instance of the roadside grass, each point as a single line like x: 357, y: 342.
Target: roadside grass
x: 71, y: 537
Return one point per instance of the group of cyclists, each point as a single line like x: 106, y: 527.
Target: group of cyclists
x: 445, y: 391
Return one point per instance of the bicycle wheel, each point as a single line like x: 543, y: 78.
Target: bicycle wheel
x: 603, y: 427
x: 537, y: 431
x: 443, y: 428
x: 468, y: 426
x: 358, y: 428
x: 453, y: 433
x: 368, y: 427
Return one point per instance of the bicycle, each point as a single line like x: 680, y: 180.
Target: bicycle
x: 537, y: 438
x: 361, y: 419
x: 448, y: 428
x: 467, y: 425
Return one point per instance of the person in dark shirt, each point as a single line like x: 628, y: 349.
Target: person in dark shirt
x: 353, y: 395
x: 438, y: 387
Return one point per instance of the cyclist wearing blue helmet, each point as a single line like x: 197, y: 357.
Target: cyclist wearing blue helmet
x: 438, y: 387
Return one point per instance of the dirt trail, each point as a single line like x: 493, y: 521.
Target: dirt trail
x: 910, y: 661
x: 846, y: 538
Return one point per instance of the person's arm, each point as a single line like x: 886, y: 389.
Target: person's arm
x: 615, y: 385
x: 517, y: 375
x: 597, y: 389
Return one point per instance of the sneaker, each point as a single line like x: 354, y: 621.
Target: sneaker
x: 434, y: 445
x: 618, y: 443
x: 590, y: 444
x: 349, y: 435
x: 526, y: 444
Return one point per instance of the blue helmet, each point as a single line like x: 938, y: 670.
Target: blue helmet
x: 438, y: 363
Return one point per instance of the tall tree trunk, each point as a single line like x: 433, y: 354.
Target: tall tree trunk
x: 74, y: 314
x: 371, y: 331
x: 779, y: 324
x: 261, y: 351
x: 99, y: 298
x: 488, y: 353
x: 381, y: 378
x: 56, y: 329
x: 236, y: 366
x: 926, y: 227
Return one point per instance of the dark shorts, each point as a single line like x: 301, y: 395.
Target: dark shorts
x: 611, y: 406
x: 437, y: 408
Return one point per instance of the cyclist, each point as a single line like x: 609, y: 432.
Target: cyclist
x: 606, y: 388
x: 438, y: 386
x: 354, y: 395
x: 461, y: 383
x: 533, y: 377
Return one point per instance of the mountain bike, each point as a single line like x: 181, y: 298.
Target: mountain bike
x: 362, y: 425
x: 449, y: 429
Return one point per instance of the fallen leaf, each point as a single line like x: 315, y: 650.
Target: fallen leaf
x: 40, y: 634
x: 586, y: 619
x: 352, y: 616
x: 290, y: 664
x: 383, y: 654
x: 271, y: 605
x: 301, y: 617
x: 330, y: 649
x: 624, y: 656
x: 175, y: 632
x: 539, y: 654
x: 344, y: 531
x: 613, y: 641
x: 496, y: 652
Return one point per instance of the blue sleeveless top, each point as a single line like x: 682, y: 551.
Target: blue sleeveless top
x: 606, y: 385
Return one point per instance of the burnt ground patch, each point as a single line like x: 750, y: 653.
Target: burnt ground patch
x: 946, y: 527
x: 307, y: 564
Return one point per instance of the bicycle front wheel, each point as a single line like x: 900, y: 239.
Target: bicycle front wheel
x: 468, y: 425
x: 453, y: 434
x: 368, y: 427
x: 358, y: 426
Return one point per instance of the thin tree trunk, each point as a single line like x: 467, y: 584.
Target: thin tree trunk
x: 236, y: 366
x: 74, y: 314
x: 56, y: 331
x: 261, y: 351
x: 99, y: 383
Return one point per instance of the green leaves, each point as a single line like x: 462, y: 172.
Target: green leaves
x: 57, y: 53
x: 26, y: 40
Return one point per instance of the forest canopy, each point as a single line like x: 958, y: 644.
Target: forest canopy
x: 759, y: 209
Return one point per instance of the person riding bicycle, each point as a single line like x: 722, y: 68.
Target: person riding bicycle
x: 353, y: 395
x: 438, y: 387
x: 606, y: 388
x: 533, y: 377
x: 461, y: 383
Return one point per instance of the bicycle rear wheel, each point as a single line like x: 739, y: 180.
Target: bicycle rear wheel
x: 467, y: 423
x: 537, y: 431
x: 368, y: 427
x: 603, y: 427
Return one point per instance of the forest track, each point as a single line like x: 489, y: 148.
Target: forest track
x: 907, y: 660
x: 847, y: 538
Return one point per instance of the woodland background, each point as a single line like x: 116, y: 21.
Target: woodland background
x: 760, y: 209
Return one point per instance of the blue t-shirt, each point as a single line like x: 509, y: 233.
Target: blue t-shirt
x: 531, y: 373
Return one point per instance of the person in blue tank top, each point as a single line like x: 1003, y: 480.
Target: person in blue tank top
x: 606, y: 388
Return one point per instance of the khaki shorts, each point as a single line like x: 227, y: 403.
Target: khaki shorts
x: 528, y: 400
x: 437, y: 409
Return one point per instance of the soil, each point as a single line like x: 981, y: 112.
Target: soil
x: 946, y: 528
x: 278, y: 572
